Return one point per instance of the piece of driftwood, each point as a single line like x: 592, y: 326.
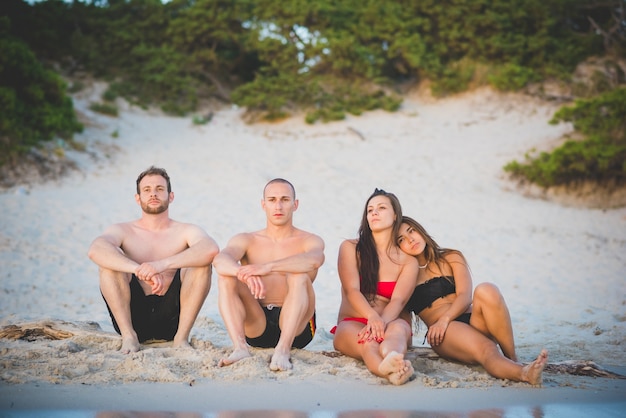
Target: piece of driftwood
x: 331, y: 354
x: 581, y: 368
x: 33, y: 333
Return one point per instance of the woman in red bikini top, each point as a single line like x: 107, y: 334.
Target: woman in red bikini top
x: 377, y: 279
x: 470, y: 330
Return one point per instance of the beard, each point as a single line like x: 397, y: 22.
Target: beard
x: 154, y: 210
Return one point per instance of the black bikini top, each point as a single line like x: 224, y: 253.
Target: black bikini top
x: 426, y: 293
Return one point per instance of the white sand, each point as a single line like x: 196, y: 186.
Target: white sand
x: 560, y: 268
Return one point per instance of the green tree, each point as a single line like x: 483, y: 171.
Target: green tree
x: 33, y: 100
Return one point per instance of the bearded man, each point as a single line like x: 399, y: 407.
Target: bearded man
x: 155, y: 272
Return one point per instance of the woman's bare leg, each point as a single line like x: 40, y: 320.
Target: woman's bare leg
x: 392, y: 367
x: 490, y: 315
x: 466, y: 344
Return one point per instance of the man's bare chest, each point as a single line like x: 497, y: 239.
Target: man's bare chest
x: 264, y: 251
x: 146, y: 246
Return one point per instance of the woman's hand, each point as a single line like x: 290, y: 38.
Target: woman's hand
x: 373, y: 331
x: 437, y: 332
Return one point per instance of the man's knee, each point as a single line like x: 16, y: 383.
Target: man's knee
x: 196, y: 273
x: 108, y: 274
x: 227, y: 283
x: 196, y: 277
x: 299, y: 279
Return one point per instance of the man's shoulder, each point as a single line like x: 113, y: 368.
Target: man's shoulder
x: 299, y: 232
x: 310, y: 235
x: 123, y: 226
x: 244, y: 237
x: 183, y: 225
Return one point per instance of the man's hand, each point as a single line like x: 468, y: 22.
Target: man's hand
x: 149, y: 272
x: 146, y: 271
x: 157, y: 284
x: 251, y: 274
x: 256, y: 286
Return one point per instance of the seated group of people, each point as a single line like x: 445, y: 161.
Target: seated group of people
x: 155, y: 274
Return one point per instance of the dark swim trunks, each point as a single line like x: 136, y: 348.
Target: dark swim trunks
x: 271, y: 335
x: 154, y: 317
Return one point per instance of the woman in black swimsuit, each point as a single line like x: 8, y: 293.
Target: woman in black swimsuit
x: 461, y: 328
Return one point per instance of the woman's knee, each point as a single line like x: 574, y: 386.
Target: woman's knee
x: 487, y: 293
x: 345, y: 342
x: 398, y: 326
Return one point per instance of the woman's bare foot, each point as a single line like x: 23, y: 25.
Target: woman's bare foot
x: 280, y: 361
x: 130, y: 344
x: 234, y: 357
x: 401, y: 377
x: 395, y: 368
x: 532, y: 372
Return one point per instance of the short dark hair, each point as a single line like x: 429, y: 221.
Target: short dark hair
x: 155, y: 171
x: 280, y: 180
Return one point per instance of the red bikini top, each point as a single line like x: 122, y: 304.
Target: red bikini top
x: 385, y: 289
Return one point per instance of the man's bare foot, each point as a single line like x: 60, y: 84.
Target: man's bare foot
x: 280, y: 361
x: 181, y: 344
x: 234, y: 357
x: 531, y: 373
x: 130, y: 344
x: 395, y: 368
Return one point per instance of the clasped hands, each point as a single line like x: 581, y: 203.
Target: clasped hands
x: 150, y: 272
x: 251, y: 274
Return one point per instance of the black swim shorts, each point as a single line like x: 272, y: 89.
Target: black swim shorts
x: 271, y: 335
x: 154, y: 317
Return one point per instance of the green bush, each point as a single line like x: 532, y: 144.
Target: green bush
x: 455, y: 78
x: 33, y: 100
x: 600, y: 157
x: 512, y: 77
x: 354, y: 98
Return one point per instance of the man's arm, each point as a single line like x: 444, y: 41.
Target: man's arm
x: 227, y: 262
x: 308, y: 261
x: 106, y: 251
x: 201, y: 251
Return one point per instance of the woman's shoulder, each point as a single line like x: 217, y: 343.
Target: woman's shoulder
x: 454, y: 256
x: 400, y: 257
x: 348, y: 243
